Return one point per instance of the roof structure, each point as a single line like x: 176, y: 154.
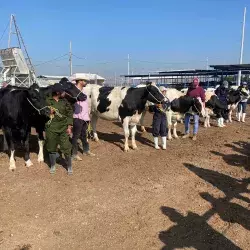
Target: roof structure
x: 231, y: 67
x: 218, y: 70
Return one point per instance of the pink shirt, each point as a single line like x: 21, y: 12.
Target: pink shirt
x: 82, y: 110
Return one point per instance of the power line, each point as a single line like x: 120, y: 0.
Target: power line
x: 52, y: 60
x: 81, y: 58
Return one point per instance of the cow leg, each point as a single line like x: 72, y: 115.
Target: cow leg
x: 142, y: 121
x: 230, y: 115
x: 169, y: 124
x: 8, y: 135
x: 40, y: 154
x: 174, y: 131
x: 41, y: 144
x: 94, y: 119
x: 208, y: 122
x: 28, y: 162
x: 125, y: 125
x: 170, y: 132
x: 205, y: 122
x: 133, y: 132
x: 5, y: 145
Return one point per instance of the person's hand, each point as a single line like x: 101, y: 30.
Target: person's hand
x: 69, y: 130
x: 52, y: 111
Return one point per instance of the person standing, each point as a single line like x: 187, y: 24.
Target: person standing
x: 222, y: 92
x: 59, y: 127
x: 194, y: 91
x: 160, y: 122
x: 243, y: 104
x: 81, y: 122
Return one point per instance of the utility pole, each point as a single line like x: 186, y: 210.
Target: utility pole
x: 10, y: 31
x: 70, y: 59
x: 128, y: 69
x: 242, y: 45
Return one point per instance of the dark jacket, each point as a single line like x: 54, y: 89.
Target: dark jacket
x: 60, y: 122
x: 222, y: 93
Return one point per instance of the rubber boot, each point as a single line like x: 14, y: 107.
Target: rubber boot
x: 52, y: 159
x: 69, y: 164
x: 164, y: 142
x: 239, y: 116
x: 86, y: 149
x: 243, y: 117
x: 156, y: 143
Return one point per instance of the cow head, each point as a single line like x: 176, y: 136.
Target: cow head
x: 37, y: 100
x: 153, y: 94
x: 73, y: 94
x: 198, y: 106
x: 235, y: 96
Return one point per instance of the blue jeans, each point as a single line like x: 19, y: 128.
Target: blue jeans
x: 187, y: 123
x: 242, y: 107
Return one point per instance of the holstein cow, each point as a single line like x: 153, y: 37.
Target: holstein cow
x: 121, y: 103
x: 234, y: 97
x: 171, y: 94
x: 73, y: 94
x: 38, y: 121
x: 16, y: 105
x: 214, y: 107
x: 179, y: 105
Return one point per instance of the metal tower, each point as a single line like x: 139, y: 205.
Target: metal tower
x: 15, y: 70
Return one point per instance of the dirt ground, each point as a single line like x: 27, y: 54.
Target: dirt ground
x: 194, y: 195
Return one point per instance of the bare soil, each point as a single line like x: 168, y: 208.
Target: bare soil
x: 194, y: 195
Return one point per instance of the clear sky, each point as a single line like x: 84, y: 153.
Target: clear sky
x: 158, y: 35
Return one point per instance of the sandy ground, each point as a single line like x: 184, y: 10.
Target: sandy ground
x: 194, y: 195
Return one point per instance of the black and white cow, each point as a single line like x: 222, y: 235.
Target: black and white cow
x: 179, y: 107
x: 73, y: 94
x: 214, y: 107
x: 16, y: 105
x: 233, y: 99
x: 37, y: 120
x: 180, y: 104
x: 121, y: 103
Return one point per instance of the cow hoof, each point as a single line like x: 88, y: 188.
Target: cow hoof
x: 96, y: 139
x: 40, y: 159
x: 177, y: 137
x: 28, y: 163
x: 135, y: 148
x: 12, y: 166
x: 170, y: 139
x: 126, y: 149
